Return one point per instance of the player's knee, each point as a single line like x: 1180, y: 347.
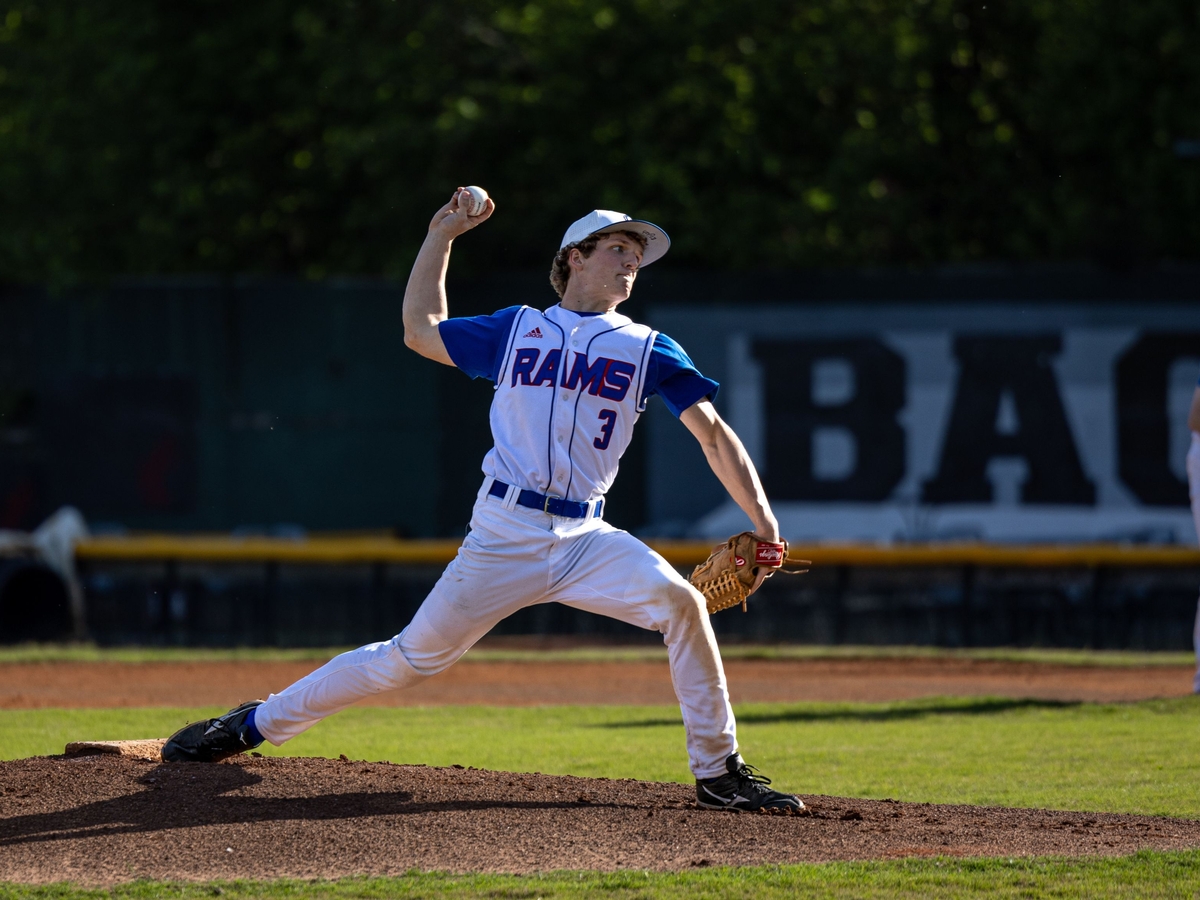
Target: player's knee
x: 428, y: 665
x: 687, y: 603
x: 389, y: 668
x: 424, y: 657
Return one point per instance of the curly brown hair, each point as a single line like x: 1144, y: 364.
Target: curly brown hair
x: 560, y: 272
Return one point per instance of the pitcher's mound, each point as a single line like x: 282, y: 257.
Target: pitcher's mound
x: 104, y: 819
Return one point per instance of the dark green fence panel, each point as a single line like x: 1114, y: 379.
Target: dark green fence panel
x: 216, y: 405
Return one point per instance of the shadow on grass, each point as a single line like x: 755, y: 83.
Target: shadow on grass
x: 982, y: 707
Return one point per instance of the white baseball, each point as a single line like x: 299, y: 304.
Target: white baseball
x: 478, y: 200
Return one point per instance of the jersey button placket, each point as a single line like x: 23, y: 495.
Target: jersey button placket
x: 558, y: 473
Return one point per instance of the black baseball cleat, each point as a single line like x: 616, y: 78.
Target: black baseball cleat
x: 214, y: 739
x: 743, y: 789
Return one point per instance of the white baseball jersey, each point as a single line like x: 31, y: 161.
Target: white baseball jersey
x: 569, y: 389
x: 568, y: 393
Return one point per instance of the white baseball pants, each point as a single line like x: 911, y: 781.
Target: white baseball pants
x: 515, y: 557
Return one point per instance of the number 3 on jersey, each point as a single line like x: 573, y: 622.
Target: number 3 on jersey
x: 609, y: 418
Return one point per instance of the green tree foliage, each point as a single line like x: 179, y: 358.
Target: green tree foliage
x: 318, y: 137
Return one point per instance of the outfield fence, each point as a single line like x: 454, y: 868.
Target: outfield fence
x: 321, y: 590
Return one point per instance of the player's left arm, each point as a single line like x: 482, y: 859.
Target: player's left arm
x: 732, y: 465
x: 1194, y: 412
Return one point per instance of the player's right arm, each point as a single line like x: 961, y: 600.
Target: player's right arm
x: 425, y: 304
x: 1194, y: 412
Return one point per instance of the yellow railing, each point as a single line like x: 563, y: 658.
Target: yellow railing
x: 318, y: 550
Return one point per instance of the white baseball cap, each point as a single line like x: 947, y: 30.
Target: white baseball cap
x: 602, y: 221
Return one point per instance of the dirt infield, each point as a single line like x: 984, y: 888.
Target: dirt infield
x: 109, y: 684
x: 102, y: 820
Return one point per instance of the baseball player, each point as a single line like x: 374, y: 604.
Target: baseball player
x: 1193, y: 472
x: 570, y: 383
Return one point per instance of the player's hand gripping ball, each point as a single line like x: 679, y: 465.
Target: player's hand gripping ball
x: 477, y: 198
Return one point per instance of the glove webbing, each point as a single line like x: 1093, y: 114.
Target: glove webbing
x: 726, y: 590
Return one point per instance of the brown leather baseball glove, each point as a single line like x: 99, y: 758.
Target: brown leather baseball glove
x: 728, y: 576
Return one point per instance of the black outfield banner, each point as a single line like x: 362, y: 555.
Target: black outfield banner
x: 979, y: 421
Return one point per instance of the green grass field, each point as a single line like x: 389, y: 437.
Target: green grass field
x: 1141, y: 875
x: 1136, y: 757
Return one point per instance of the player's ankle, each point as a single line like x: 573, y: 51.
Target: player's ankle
x: 252, y: 733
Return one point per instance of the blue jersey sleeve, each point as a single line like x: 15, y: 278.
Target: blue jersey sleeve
x: 674, y: 377
x: 476, y: 343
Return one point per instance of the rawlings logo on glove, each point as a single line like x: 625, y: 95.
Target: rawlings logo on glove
x: 725, y: 579
x: 768, y: 554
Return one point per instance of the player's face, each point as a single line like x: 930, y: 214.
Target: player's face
x: 611, y: 269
